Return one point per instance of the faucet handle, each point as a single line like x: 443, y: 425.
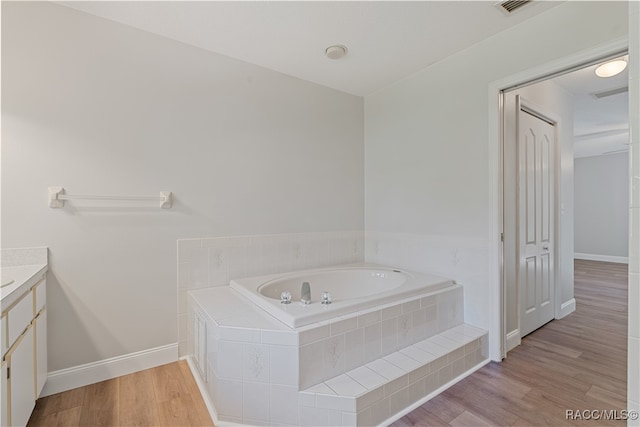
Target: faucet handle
x: 326, y: 298
x: 285, y: 297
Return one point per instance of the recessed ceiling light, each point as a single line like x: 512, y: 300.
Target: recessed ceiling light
x: 611, y: 68
x: 336, y: 51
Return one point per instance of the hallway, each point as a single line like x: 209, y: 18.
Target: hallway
x: 576, y: 363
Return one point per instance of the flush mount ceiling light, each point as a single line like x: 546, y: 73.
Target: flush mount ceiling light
x: 611, y: 68
x: 336, y: 51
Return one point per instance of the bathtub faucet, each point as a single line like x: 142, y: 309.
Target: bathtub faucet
x: 305, y: 294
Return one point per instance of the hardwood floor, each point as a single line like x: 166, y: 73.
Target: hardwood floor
x: 576, y: 363
x: 163, y: 396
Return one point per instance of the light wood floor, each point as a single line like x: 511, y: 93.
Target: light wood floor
x: 578, y: 362
x: 163, y: 396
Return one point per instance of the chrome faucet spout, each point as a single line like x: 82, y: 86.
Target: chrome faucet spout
x: 305, y: 294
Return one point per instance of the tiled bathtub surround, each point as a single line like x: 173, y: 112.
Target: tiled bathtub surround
x: 373, y: 393
x: 213, y: 262
x: 464, y: 259
x: 345, y: 343
x: 259, y: 371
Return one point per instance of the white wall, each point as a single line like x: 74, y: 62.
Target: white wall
x: 99, y: 107
x: 552, y: 99
x: 602, y: 207
x: 426, y: 151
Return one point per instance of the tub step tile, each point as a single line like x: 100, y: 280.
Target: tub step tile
x: 367, y: 377
x: 414, y: 352
x: 372, y: 393
x: 402, y: 361
x: 344, y: 385
x: 385, y: 368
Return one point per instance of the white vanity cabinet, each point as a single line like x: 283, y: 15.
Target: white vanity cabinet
x: 40, y: 338
x: 24, y: 358
x: 3, y: 395
x: 22, y: 398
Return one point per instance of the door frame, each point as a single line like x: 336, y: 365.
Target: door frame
x: 497, y: 341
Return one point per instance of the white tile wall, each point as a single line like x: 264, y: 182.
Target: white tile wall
x: 464, y: 259
x: 229, y: 403
x: 256, y: 401
x: 228, y: 356
x: 334, y: 360
x: 313, y: 416
x: 212, y: 262
x: 373, y: 337
x: 354, y: 348
x: 283, y: 369
x: 363, y: 396
x: 311, y: 358
x: 256, y: 363
x: 284, y: 404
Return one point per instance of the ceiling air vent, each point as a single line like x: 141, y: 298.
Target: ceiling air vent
x: 610, y: 92
x: 511, y: 6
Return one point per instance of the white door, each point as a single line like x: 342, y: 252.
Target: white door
x: 536, y: 193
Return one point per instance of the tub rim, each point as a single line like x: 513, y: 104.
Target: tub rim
x: 295, y: 316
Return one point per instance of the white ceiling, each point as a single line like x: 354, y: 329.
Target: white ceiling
x: 601, y: 126
x: 387, y: 41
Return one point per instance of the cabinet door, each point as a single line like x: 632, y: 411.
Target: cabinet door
x: 41, y: 351
x: 22, y: 379
x: 41, y: 295
x: 19, y: 317
x: 3, y: 335
x: 3, y: 396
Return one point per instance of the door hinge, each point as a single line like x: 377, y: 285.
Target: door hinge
x: 502, y: 237
x: 8, y: 372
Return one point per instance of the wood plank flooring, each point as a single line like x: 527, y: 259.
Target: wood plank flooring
x: 163, y: 396
x: 578, y: 363
x: 575, y: 363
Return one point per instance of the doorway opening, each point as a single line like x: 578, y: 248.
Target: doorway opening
x: 589, y: 116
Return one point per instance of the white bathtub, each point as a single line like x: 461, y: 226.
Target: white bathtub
x: 353, y: 288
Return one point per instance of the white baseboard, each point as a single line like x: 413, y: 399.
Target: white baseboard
x: 90, y: 373
x: 567, y: 308
x: 513, y: 339
x: 605, y: 258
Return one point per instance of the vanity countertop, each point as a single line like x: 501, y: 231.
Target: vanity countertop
x: 21, y: 269
x: 23, y: 276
